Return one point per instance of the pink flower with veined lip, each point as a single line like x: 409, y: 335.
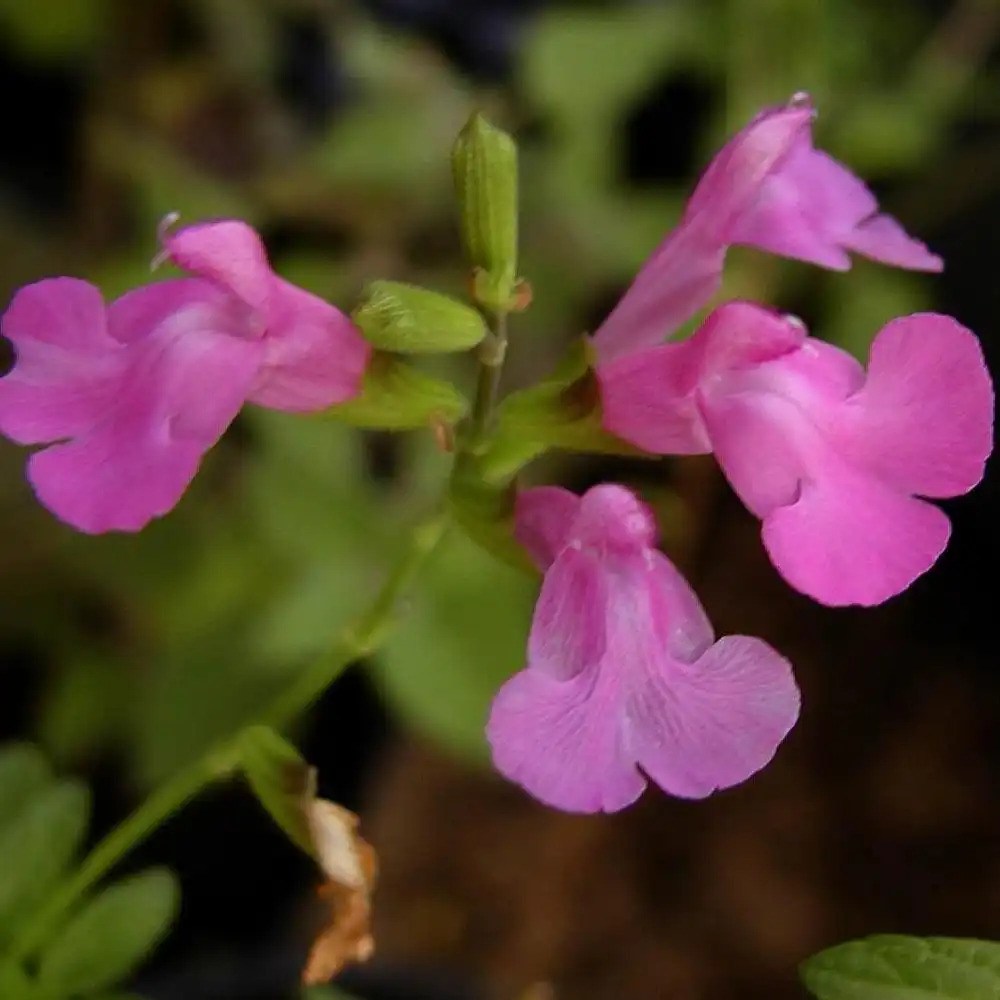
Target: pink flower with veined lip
x: 132, y: 394
x: 625, y: 679
x: 831, y: 459
x: 767, y: 188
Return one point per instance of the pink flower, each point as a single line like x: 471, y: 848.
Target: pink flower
x: 831, y: 459
x: 625, y: 679
x: 767, y: 188
x: 134, y: 393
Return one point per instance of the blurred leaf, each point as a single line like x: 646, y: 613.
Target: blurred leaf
x: 876, y: 295
x: 280, y: 779
x: 894, y: 967
x: 15, y: 985
x: 84, y: 705
x: 400, y: 143
x: 24, y: 772
x: 111, y: 936
x: 326, y: 993
x: 314, y: 507
x: 38, y: 845
x: 66, y: 29
x: 464, y: 635
x: 632, y: 48
x: 197, y: 694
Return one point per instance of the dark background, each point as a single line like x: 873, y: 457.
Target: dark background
x: 327, y: 124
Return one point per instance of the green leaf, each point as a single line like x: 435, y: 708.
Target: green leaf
x: 630, y: 48
x: 24, y: 772
x: 15, y: 984
x: 895, y: 967
x: 111, y: 936
x: 396, y: 396
x: 464, y: 635
x: 84, y: 705
x: 281, y: 779
x: 326, y: 993
x: 484, y: 163
x: 394, y: 316
x: 38, y: 845
x: 69, y: 29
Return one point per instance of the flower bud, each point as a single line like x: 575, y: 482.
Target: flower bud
x: 484, y: 161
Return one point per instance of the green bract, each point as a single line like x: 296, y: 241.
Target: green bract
x: 394, y: 316
x: 280, y: 779
x: 484, y: 162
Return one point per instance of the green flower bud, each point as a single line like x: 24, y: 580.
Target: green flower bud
x: 484, y: 162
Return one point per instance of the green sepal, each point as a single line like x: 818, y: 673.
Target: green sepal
x: 281, y: 779
x: 485, y: 512
x: 563, y: 411
x: 484, y: 164
x: 395, y: 397
x: 394, y: 316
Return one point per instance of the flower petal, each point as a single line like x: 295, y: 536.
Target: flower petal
x: 67, y: 367
x: 135, y: 315
x: 684, y: 272
x: 611, y: 519
x: 174, y: 402
x: 315, y: 356
x: 230, y: 253
x: 759, y: 442
x: 848, y: 539
x: 567, y: 631
x: 883, y: 239
x: 813, y: 208
x: 682, y: 627
x: 924, y: 419
x: 697, y: 727
x: 542, y: 520
x: 560, y: 740
x: 648, y: 398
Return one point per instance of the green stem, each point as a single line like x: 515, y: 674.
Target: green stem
x: 491, y: 358
x: 358, y: 639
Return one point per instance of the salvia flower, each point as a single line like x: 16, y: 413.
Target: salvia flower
x: 832, y: 459
x: 767, y: 188
x: 625, y: 680
x: 130, y: 395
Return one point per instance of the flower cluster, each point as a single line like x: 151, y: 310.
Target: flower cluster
x: 625, y: 681
x: 623, y: 678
